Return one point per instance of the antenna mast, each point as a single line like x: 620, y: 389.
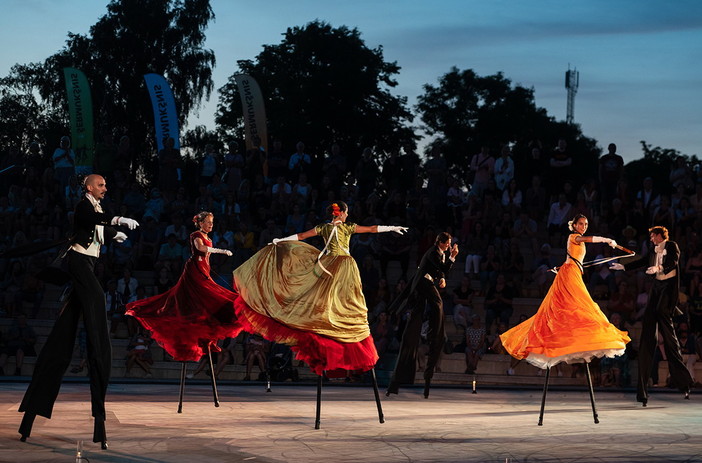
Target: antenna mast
x: 572, y: 79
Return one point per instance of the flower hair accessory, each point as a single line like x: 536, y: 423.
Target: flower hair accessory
x: 336, y: 211
x: 570, y: 225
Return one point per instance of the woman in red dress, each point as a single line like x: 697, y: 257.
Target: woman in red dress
x: 196, y: 312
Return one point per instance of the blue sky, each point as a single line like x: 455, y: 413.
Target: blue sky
x: 640, y: 62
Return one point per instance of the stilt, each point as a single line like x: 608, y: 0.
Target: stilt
x: 25, y: 428
x: 381, y: 417
x: 268, y: 381
x: 214, y: 380
x: 592, y: 392
x: 543, y: 399
x: 182, y: 388
x: 319, y: 402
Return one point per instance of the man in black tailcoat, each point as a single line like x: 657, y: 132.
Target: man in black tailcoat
x: 423, y: 291
x: 92, y: 229
x: 660, y: 309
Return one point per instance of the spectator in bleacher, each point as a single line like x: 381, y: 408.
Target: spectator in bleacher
x: 382, y: 332
x: 299, y: 162
x: 475, y: 344
x: 72, y: 193
x: 395, y: 249
x: 688, y: 347
x: 498, y: 302
x: 21, y: 339
x: 127, y: 285
x: 535, y: 199
x: 4, y: 353
x: 475, y: 244
x: 156, y: 205
x: 148, y: 244
x: 504, y: 169
x: 64, y: 160
x: 114, y: 304
x: 233, y: 165
x: 623, y: 302
x: 170, y: 168
x: 482, y: 168
x: 269, y: 233
x: 649, y: 197
x: 170, y: 254
x: 490, y: 265
x: 463, y: 304
x: 138, y: 353
x: 367, y: 173
x: 255, y: 348
x: 558, y: 216
x: 560, y: 167
x: 614, y: 371
x: 602, y: 283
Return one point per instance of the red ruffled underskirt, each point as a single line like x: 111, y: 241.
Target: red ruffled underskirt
x: 319, y: 352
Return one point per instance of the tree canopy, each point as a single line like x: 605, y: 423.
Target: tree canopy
x: 465, y: 111
x: 133, y: 38
x: 323, y: 85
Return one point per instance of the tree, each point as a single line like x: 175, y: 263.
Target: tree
x: 323, y: 85
x: 465, y: 111
x: 133, y: 38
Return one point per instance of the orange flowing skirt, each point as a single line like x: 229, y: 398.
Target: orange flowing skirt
x: 568, y: 327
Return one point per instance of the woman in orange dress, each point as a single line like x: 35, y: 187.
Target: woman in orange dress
x: 569, y: 326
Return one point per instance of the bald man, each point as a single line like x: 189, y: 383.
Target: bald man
x: 92, y: 228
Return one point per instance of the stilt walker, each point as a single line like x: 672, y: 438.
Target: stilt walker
x: 569, y: 326
x: 291, y: 293
x: 92, y: 229
x: 189, y: 318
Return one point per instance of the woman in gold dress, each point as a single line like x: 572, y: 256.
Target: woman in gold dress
x: 569, y: 326
x: 291, y: 293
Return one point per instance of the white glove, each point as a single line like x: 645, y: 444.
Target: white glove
x: 602, y: 239
x: 127, y: 222
x: 616, y: 266
x: 120, y: 237
x: 287, y: 238
x: 219, y: 251
x: 653, y: 270
x: 392, y: 228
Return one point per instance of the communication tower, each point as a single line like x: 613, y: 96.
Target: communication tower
x: 572, y: 78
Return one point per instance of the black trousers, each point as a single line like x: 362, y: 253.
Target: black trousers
x: 87, y: 299
x: 427, y: 295
x: 659, y: 314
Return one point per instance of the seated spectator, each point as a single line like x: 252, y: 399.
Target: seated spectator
x: 255, y: 348
x: 475, y: 344
x: 498, y: 302
x: 623, y: 302
x: 463, y: 304
x: 115, y: 307
x: 138, y: 353
x: 170, y: 254
x: 615, y: 371
x: 20, y: 342
x: 602, y: 282
x: 381, y: 330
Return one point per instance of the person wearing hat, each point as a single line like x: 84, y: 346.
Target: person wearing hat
x: 663, y: 265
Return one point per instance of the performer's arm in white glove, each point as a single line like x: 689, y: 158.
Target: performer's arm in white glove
x: 616, y: 266
x: 287, y: 238
x: 127, y: 222
x: 602, y: 239
x: 219, y: 251
x: 120, y: 237
x: 392, y: 228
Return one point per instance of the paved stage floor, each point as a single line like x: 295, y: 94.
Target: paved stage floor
x: 453, y: 425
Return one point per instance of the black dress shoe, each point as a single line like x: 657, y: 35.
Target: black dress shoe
x: 99, y: 434
x: 643, y: 401
x: 25, y: 428
x: 687, y: 395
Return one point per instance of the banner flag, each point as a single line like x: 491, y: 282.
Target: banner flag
x: 254, y: 110
x: 165, y: 114
x: 80, y: 110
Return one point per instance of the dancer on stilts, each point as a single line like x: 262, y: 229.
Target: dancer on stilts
x: 189, y: 319
x: 292, y: 293
x: 569, y: 326
x: 92, y: 227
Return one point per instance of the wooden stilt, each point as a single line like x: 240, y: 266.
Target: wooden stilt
x: 543, y: 398
x: 182, y: 387
x: 214, y: 380
x: 381, y: 417
x: 319, y: 402
x: 592, y: 392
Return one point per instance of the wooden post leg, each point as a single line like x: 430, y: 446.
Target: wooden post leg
x: 592, y: 393
x: 543, y: 399
x: 381, y: 417
x: 214, y: 380
x: 182, y: 387
x: 319, y: 402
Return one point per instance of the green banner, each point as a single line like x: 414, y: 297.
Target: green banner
x: 80, y: 108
